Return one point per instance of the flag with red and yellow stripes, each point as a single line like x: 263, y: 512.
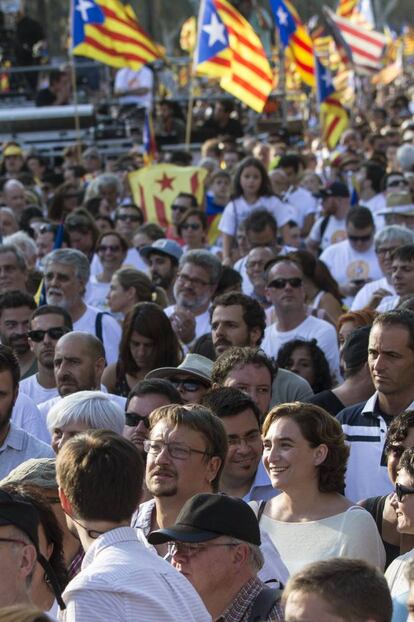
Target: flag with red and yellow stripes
x: 346, y: 8
x: 228, y: 48
x: 108, y: 31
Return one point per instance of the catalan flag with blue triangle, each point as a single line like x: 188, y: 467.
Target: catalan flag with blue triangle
x: 108, y: 31
x: 294, y: 35
x: 229, y: 49
x: 148, y: 140
x: 333, y: 116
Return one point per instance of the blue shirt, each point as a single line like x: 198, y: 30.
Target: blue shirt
x: 262, y: 489
x: 18, y: 447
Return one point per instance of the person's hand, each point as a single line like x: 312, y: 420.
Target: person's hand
x: 184, y: 324
x: 377, y: 296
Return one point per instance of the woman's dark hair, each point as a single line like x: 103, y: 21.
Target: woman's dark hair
x: 192, y: 211
x: 318, y: 427
x: 407, y: 462
x: 82, y: 221
x: 322, y: 375
x: 399, y: 428
x: 32, y: 211
x: 265, y: 186
x: 56, y: 210
x: 149, y: 320
x: 53, y: 533
x: 230, y: 278
x: 315, y: 270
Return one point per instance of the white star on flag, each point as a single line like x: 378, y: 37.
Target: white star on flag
x: 327, y: 78
x: 282, y: 17
x: 215, y: 31
x: 82, y: 7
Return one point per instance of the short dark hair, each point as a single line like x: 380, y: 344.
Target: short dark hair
x: 290, y: 160
x: 188, y: 195
x: 374, y: 173
x: 399, y: 428
x: 407, y: 462
x: 155, y: 385
x: 152, y: 230
x: 253, y: 313
x: 53, y: 310
x: 398, y: 317
x: 317, y: 427
x: 15, y: 299
x: 9, y: 362
x: 228, y: 402
x: 94, y: 457
x: 404, y: 253
x: 338, y: 582
x: 258, y: 220
x: 360, y: 217
x: 237, y: 357
x: 229, y: 278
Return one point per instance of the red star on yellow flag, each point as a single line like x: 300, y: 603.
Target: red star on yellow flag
x: 165, y: 182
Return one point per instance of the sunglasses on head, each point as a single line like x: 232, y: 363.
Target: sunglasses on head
x: 132, y: 420
x: 192, y: 226
x: 53, y: 333
x: 281, y: 283
x: 401, y: 491
x: 359, y: 238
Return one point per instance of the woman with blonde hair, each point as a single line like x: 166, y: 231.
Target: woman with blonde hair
x: 130, y: 286
x: 305, y: 456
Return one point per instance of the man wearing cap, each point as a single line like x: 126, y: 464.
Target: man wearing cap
x: 331, y: 227
x: 357, y: 386
x: 192, y: 378
x: 13, y: 159
x: 100, y: 481
x: 398, y: 210
x: 162, y: 257
x: 215, y: 543
x: 19, y: 543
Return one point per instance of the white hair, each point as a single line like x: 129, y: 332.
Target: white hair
x: 93, y: 408
x: 405, y: 157
x: 25, y: 244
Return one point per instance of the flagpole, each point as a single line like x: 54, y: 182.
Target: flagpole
x: 78, y: 146
x: 282, y: 77
x: 191, y: 85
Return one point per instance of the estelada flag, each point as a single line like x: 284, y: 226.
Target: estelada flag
x: 154, y: 188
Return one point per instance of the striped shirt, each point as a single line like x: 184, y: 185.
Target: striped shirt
x: 121, y: 580
x: 365, y: 430
x: 241, y: 607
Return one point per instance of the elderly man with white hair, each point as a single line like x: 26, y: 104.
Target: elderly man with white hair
x: 14, y: 196
x: 85, y: 410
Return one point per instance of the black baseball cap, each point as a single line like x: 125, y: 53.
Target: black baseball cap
x: 207, y: 516
x: 335, y: 189
x: 355, y: 350
x: 16, y: 511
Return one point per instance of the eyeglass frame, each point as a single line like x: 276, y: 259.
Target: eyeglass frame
x: 196, y: 547
x: 401, y: 491
x: 189, y: 450
x: 47, y: 332
x: 294, y: 282
x: 192, y: 281
x: 138, y: 420
x: 181, y: 383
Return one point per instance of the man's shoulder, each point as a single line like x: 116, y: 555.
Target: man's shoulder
x: 353, y: 415
x: 318, y: 324
x: 334, y: 249
x: 21, y: 440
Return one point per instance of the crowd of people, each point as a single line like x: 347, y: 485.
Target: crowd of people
x: 214, y: 420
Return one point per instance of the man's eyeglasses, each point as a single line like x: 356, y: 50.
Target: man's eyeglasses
x: 131, y: 217
x: 114, y: 249
x: 281, y: 283
x: 190, y: 550
x: 132, y: 420
x: 192, y: 226
x: 401, y: 491
x: 360, y: 238
x: 53, y: 333
x: 179, y: 451
x: 397, y: 182
x: 189, y: 281
x: 250, y: 439
x: 180, y: 208
x: 187, y: 385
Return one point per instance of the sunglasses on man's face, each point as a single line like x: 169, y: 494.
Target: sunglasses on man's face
x: 281, y: 283
x: 53, y: 333
x: 397, y: 182
x: 401, y: 491
x: 359, y: 238
x: 132, y: 420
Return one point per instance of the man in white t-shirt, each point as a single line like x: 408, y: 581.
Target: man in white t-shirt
x: 67, y: 273
x: 198, y: 275
x: 330, y: 228
x: 47, y: 325
x: 386, y: 242
x: 134, y: 87
x: 305, y: 203
x: 353, y: 262
x: 286, y: 292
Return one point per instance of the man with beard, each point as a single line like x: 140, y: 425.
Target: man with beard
x: 47, y: 324
x: 15, y: 310
x: 162, y: 257
x: 78, y: 363
x: 16, y: 445
x: 67, y: 274
x: 198, y: 275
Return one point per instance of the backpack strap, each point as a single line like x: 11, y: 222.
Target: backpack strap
x: 264, y: 602
x: 98, y: 324
x: 261, y: 510
x: 324, y: 224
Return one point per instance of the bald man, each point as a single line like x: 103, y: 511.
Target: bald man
x: 79, y: 362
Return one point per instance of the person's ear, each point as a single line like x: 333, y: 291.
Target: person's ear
x: 213, y: 467
x: 320, y: 454
x: 28, y: 560
x: 255, y: 335
x: 64, y: 502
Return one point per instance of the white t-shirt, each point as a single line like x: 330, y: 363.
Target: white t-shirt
x: 238, y: 209
x: 30, y: 386
x: 240, y: 266
x: 375, y: 204
x: 396, y: 574
x: 96, y: 294
x: 388, y: 304
x: 202, y: 321
x: 26, y: 415
x: 304, y: 202
x: 133, y: 258
x: 346, y: 264
x: 310, y: 328
x: 128, y: 79
x: 111, y: 331
x: 365, y: 293
x: 335, y: 231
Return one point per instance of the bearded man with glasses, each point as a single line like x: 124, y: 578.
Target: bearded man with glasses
x: 286, y: 292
